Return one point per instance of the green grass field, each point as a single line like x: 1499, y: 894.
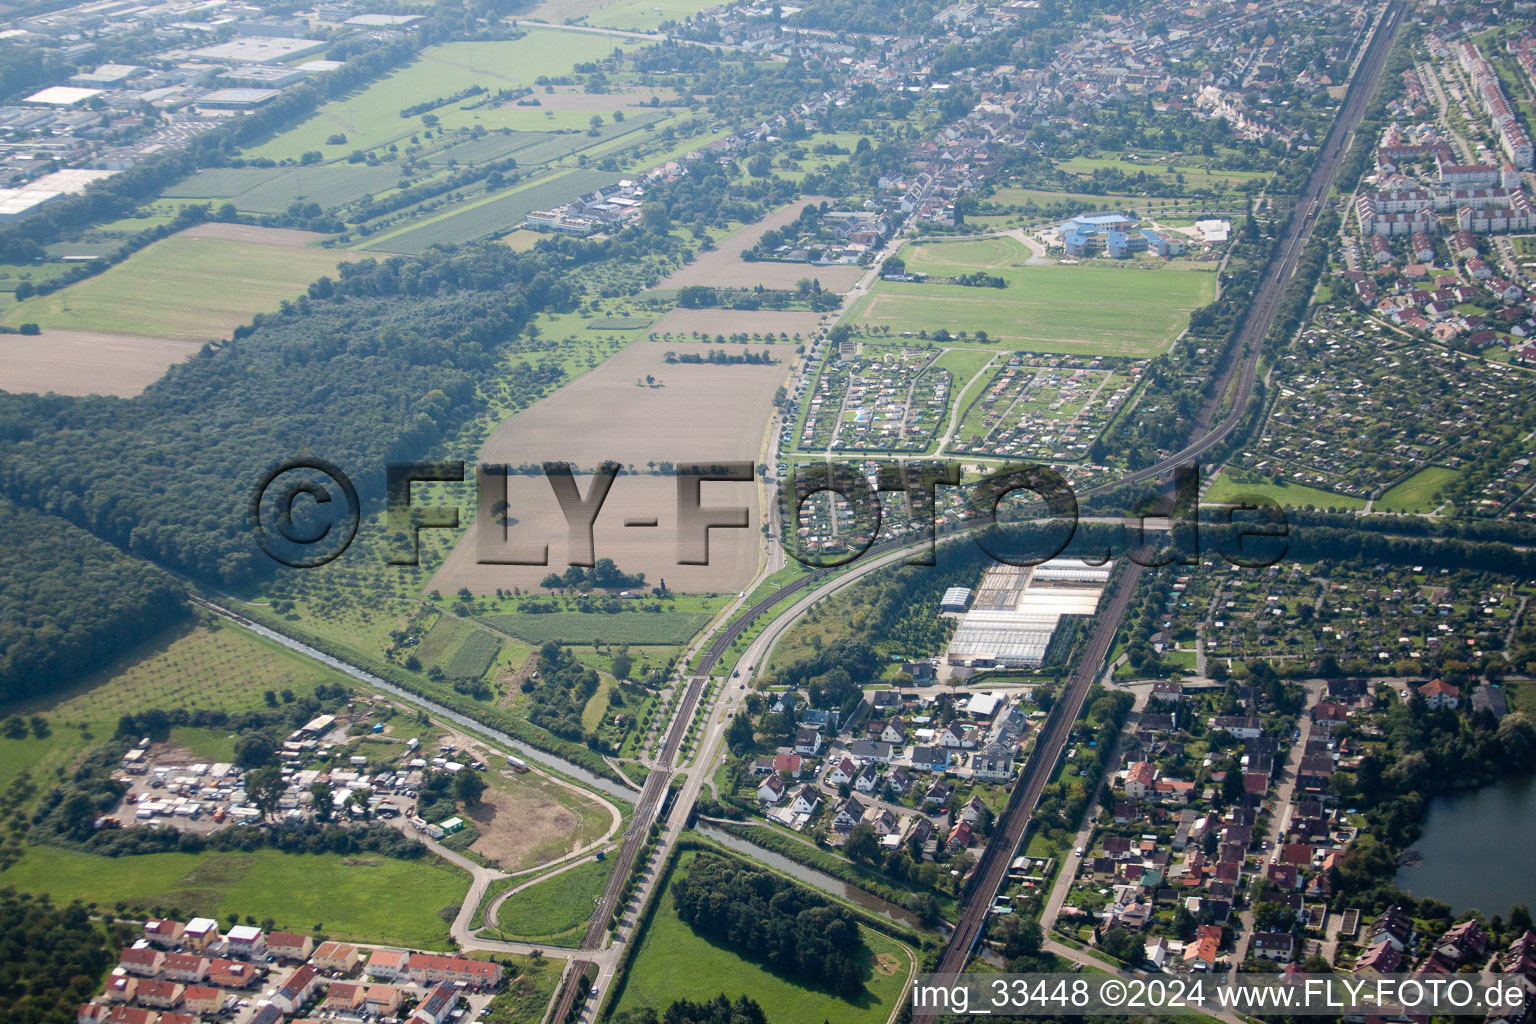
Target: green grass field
x: 346, y: 897
x: 1417, y: 493
x: 670, y: 628
x: 555, y: 910
x: 372, y: 117
x: 273, y: 189
x: 1109, y: 310
x: 187, y: 288
x: 195, y: 667
x: 1232, y: 483
x: 674, y: 963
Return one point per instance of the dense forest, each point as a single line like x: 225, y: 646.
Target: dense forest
x: 51, y: 958
x: 376, y: 366
x: 69, y: 602
x: 772, y: 919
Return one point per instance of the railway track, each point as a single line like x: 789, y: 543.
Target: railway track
x: 993, y: 866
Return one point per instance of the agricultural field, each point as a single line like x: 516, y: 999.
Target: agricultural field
x: 640, y: 410
x: 1082, y: 310
x: 674, y: 963
x: 723, y: 266
x: 372, y: 117
x: 337, y: 895
x: 87, y: 362
x: 195, y: 286
x: 501, y: 212
x: 204, y: 664
x: 554, y: 909
x: 273, y: 189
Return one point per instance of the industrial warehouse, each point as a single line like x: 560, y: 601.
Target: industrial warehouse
x: 1017, y: 608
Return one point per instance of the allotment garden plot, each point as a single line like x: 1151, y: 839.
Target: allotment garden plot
x: 1360, y: 409
x: 889, y: 401
x: 1129, y: 310
x: 1050, y: 409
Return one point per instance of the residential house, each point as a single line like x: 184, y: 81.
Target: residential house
x: 428, y: 968
x: 1380, y: 958
x: 142, y: 960
x: 842, y: 773
x: 960, y: 836
x: 1277, y: 946
x: 184, y: 967
x: 1140, y: 777
x: 772, y: 790
x: 204, y: 1000
x: 930, y: 759
x: 163, y: 932
x: 939, y: 792
x: 1438, y: 693
x: 1237, y: 725
x: 882, y: 820
x: 806, y: 800
x: 994, y: 764
x: 233, y: 974
x: 807, y: 742
x: 300, y: 988
x: 199, y: 934
x: 848, y: 815
x: 1205, y: 951
x: 956, y: 737
x: 388, y: 964
x: 868, y: 780
x: 290, y: 945
x: 790, y: 764
x: 893, y: 732
x: 246, y: 942
x: 340, y: 957
x: 161, y: 995
x: 437, y: 1006
x: 870, y: 750
x: 1167, y: 691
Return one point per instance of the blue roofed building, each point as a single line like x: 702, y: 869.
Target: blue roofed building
x: 1163, y: 244
x: 1090, y: 233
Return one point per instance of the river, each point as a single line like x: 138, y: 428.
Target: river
x: 1478, y: 848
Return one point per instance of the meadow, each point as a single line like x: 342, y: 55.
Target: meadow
x: 189, y: 287
x: 273, y: 189
x: 372, y: 118
x: 1417, y: 493
x: 339, y: 896
x: 674, y: 963
x: 1080, y: 309
x: 555, y: 910
x: 1232, y: 483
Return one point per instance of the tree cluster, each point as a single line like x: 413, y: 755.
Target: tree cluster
x: 772, y: 919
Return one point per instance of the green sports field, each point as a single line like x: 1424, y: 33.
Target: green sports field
x: 182, y: 287
x: 372, y: 117
x: 1121, y: 310
x: 345, y: 897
